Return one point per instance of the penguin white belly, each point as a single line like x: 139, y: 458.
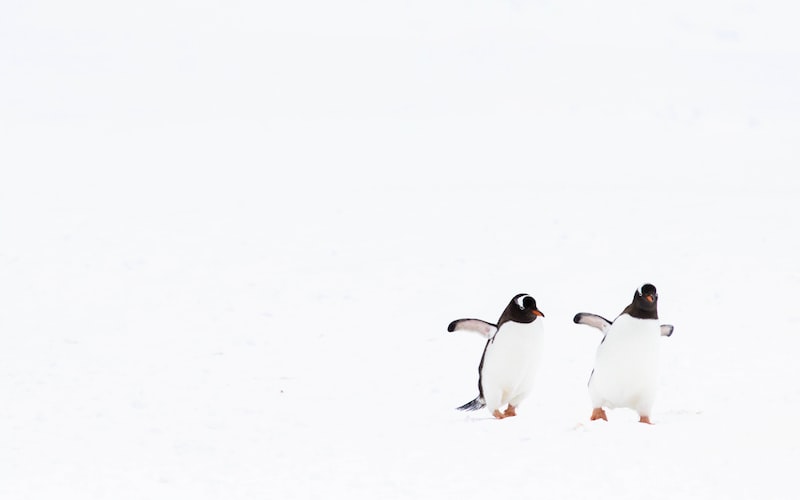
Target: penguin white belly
x: 627, y: 364
x: 511, y: 362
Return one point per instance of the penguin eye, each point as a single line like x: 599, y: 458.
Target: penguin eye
x: 522, y: 300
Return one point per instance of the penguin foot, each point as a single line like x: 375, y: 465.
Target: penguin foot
x: 598, y: 413
x: 645, y: 420
x: 498, y: 414
x: 510, y: 411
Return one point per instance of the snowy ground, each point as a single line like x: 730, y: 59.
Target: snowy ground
x: 233, y: 237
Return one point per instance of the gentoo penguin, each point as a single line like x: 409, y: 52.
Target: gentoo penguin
x: 510, y: 358
x: 625, y: 373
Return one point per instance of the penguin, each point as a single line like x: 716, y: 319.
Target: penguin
x: 511, y: 356
x: 626, y: 368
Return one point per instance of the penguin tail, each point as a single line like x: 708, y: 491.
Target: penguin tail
x: 475, y: 404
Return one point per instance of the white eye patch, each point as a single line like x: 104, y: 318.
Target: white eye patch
x: 520, y: 299
x: 639, y: 290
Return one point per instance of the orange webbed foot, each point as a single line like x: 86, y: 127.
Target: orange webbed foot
x: 599, y: 413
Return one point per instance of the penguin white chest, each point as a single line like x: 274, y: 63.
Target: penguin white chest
x: 627, y: 365
x: 511, y: 362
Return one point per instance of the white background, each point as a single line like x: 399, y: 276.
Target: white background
x: 232, y: 235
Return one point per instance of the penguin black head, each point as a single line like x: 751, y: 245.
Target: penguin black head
x: 521, y: 309
x: 645, y: 303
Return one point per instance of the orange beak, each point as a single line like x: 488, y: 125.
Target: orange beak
x: 649, y: 298
x: 538, y: 313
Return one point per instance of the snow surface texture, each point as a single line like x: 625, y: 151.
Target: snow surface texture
x: 233, y: 237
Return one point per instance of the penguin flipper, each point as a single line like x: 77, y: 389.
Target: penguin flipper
x: 482, y: 328
x: 666, y: 330
x: 475, y: 404
x: 593, y: 320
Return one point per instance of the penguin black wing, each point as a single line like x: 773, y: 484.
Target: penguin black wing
x: 666, y: 330
x: 593, y: 320
x: 482, y: 328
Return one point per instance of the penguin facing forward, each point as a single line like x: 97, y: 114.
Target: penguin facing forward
x: 511, y: 356
x: 626, y: 368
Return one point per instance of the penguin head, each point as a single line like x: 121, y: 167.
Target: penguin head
x: 644, y: 303
x: 521, y: 309
x: 646, y: 297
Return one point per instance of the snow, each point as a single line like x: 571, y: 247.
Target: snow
x: 233, y: 236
